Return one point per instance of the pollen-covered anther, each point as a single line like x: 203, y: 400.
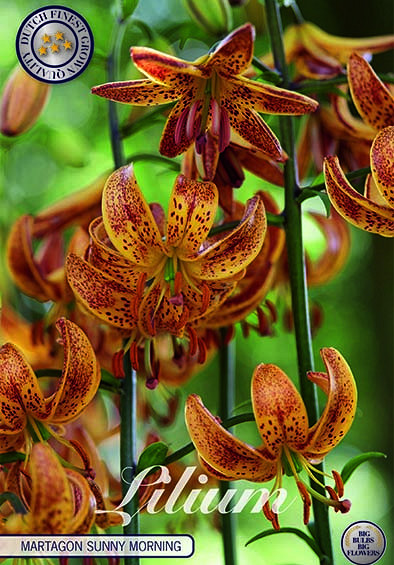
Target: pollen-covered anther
x: 134, y: 356
x: 338, y: 483
x: 202, y: 351
x: 306, y: 499
x: 117, y: 364
x: 271, y: 516
x: 193, y: 341
x: 206, y: 296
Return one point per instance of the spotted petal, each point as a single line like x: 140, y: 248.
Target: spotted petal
x: 382, y: 163
x: 342, y: 47
x: 251, y: 128
x: 20, y: 394
x: 279, y: 410
x: 100, y: 294
x: 340, y: 408
x: 51, y: 499
x: 231, y: 254
x: 371, y: 97
x: 80, y: 375
x: 138, y: 92
x: 269, y: 99
x: 128, y: 220
x: 175, y: 73
x: 221, y: 450
x: 191, y: 214
x: 234, y: 53
x: 354, y: 207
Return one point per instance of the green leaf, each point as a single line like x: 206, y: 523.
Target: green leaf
x: 11, y: 457
x: 14, y: 500
x: 307, y: 539
x: 154, y: 454
x: 317, y: 180
x: 326, y: 201
x: 355, y: 462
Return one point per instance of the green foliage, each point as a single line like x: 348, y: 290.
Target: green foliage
x: 355, y: 462
x: 154, y: 454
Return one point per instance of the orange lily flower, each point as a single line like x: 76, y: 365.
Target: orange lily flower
x: 289, y: 444
x: 213, y: 97
x: 146, y: 281
x: 320, y: 55
x: 40, y: 274
x: 373, y: 212
x: 23, y: 405
x: 60, y: 500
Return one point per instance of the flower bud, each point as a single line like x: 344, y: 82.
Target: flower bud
x: 214, y: 17
x: 22, y: 102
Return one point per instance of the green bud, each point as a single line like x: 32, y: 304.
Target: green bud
x: 214, y: 16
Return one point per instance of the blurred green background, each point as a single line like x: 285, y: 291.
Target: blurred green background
x: 70, y: 147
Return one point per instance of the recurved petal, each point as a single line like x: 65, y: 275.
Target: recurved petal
x: 51, y: 499
x: 279, y: 409
x: 372, y: 193
x: 226, y: 454
x: 251, y: 128
x: 157, y: 313
x: 191, y: 214
x: 142, y: 92
x: 354, y: 207
x: 234, y: 53
x: 84, y: 503
x: 20, y: 394
x: 382, y: 163
x: 168, y: 70
x: 21, y: 262
x: 176, y: 137
x: 371, y: 97
x: 342, y: 47
x: 337, y: 235
x: 128, y: 220
x: 340, y: 408
x: 80, y: 374
x: 108, y: 260
x: 101, y: 295
x: 268, y: 99
x: 231, y: 254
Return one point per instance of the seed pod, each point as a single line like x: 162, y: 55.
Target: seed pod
x: 22, y: 102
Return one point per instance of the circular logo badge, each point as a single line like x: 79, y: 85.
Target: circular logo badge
x: 363, y: 542
x: 54, y: 44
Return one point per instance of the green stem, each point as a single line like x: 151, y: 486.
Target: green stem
x: 128, y: 400
x: 128, y: 448
x: 296, y: 262
x: 226, y: 405
x: 112, y: 75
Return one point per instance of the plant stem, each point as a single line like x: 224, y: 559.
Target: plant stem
x: 128, y: 447
x: 128, y: 400
x: 226, y: 405
x: 297, y: 272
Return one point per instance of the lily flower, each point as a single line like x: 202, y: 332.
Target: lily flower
x: 59, y: 500
x: 24, y: 409
x: 289, y: 444
x: 213, y: 97
x: 373, y: 212
x: 146, y: 279
x: 320, y: 55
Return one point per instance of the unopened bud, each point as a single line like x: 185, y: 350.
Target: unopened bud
x: 22, y: 102
x: 214, y: 16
